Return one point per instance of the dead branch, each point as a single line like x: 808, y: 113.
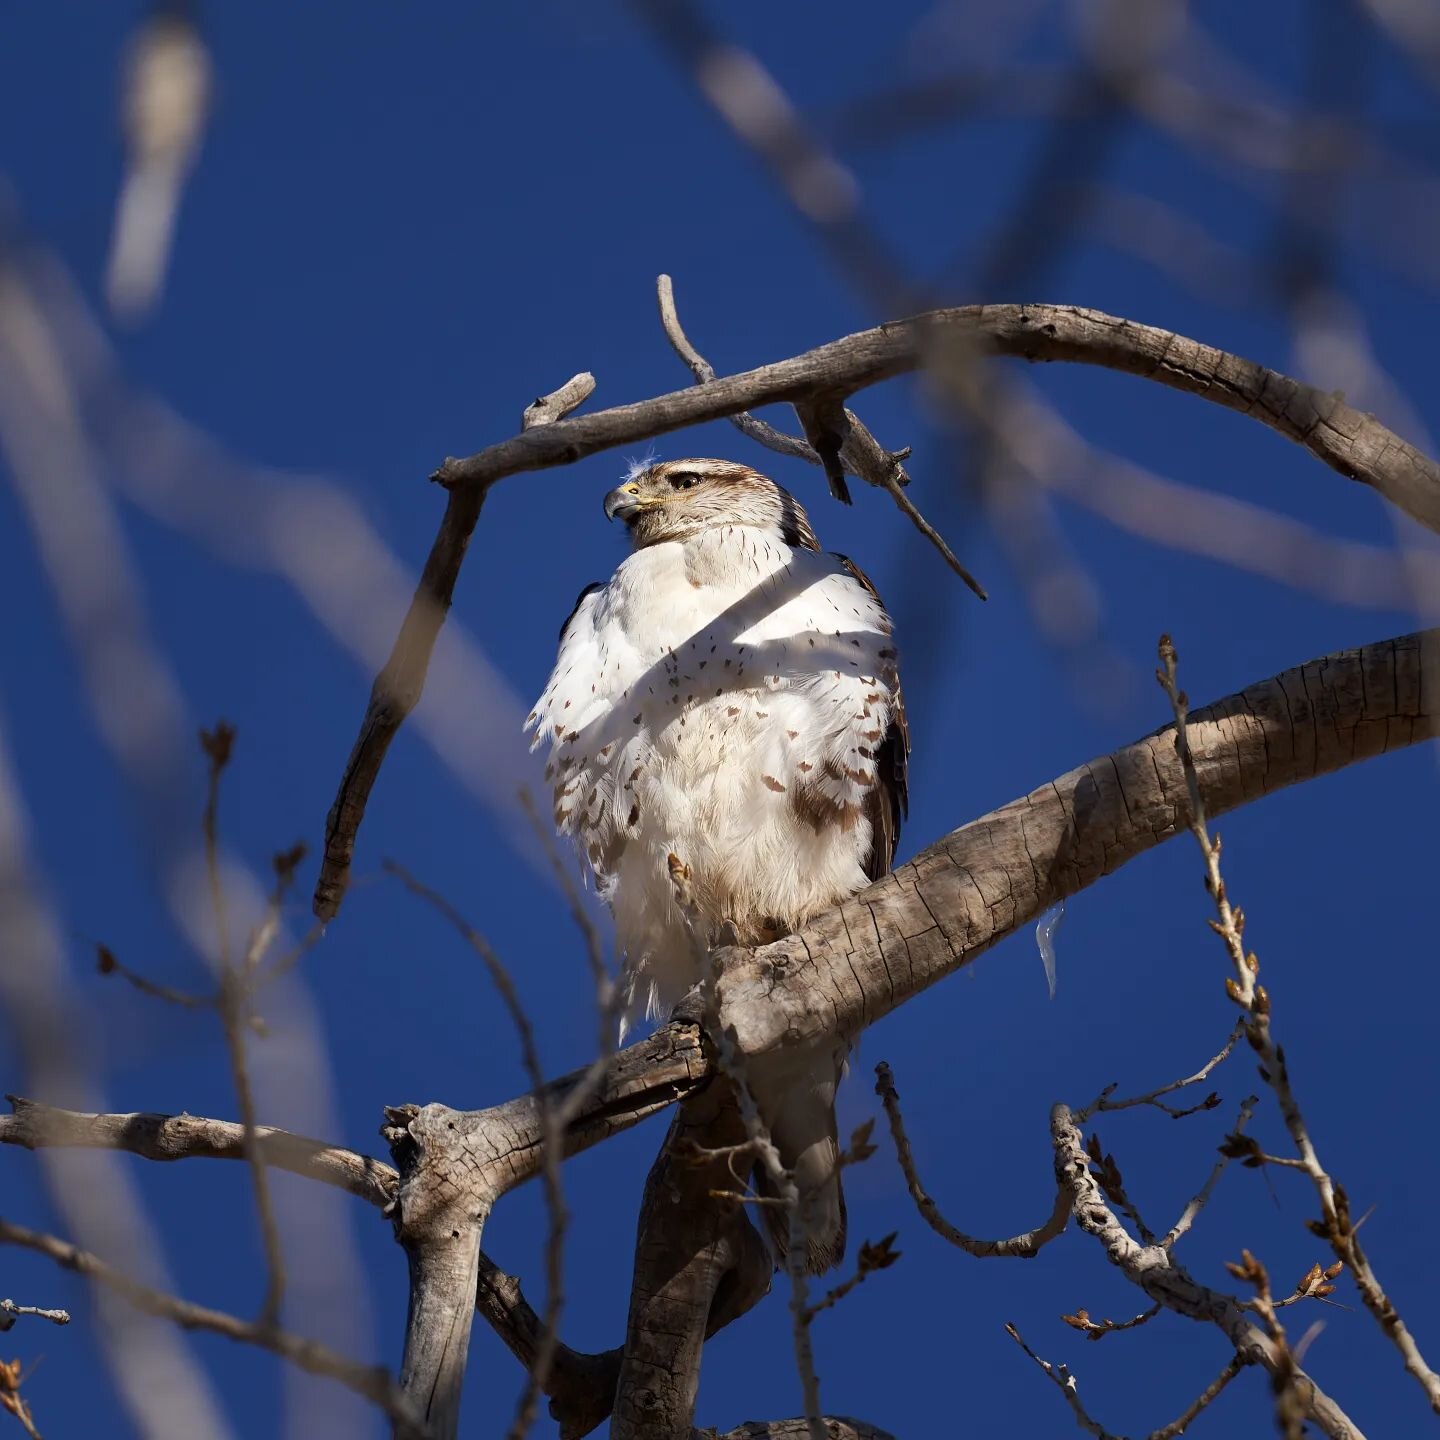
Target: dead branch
x: 1065, y: 1381
x: 373, y: 1382
x: 1357, y: 446
x: 397, y: 688
x: 1202, y: 1196
x: 10, y: 1312
x: 1024, y: 1246
x: 186, y: 1137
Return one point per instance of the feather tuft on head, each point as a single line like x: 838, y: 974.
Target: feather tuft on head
x: 636, y: 466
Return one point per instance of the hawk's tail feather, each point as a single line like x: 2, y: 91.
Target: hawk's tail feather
x: 800, y: 1111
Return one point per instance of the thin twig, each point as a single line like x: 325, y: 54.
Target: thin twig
x: 1202, y: 1196
x: 860, y: 454
x: 874, y: 1255
x: 1098, y: 1329
x: 1335, y: 1224
x: 373, y: 1382
x: 1065, y: 1382
x: 234, y: 1007
x: 10, y: 1312
x: 1023, y: 1246
x: 1103, y: 1102
x: 108, y: 963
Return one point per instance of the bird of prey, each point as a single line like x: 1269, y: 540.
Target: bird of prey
x: 730, y: 697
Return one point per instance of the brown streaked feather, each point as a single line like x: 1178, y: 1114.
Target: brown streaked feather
x: 888, y: 803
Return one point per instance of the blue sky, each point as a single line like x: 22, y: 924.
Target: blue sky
x: 406, y: 223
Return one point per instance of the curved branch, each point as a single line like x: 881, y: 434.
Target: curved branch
x: 1356, y: 445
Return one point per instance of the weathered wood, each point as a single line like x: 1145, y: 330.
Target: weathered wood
x: 983, y: 881
x: 687, y: 1244
x: 439, y: 1215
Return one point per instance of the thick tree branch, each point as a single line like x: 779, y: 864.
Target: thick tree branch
x: 979, y: 883
x: 687, y: 1245
x: 1356, y: 445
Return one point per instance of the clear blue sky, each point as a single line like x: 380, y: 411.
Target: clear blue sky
x: 406, y: 223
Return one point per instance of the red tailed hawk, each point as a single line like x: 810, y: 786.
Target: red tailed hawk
x: 730, y: 696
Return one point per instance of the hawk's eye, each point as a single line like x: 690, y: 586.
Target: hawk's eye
x: 683, y: 479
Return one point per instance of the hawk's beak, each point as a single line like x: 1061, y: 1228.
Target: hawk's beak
x: 624, y: 501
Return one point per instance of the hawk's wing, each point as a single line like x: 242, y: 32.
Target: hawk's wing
x: 889, y: 801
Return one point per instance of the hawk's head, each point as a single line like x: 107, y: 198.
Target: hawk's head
x: 679, y: 498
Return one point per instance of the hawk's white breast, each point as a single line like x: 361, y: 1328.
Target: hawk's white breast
x: 722, y: 698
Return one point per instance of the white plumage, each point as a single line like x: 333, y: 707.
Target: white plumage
x: 729, y: 697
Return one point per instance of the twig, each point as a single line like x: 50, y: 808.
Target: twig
x: 1233, y: 1366
x: 1024, y: 1246
x: 559, y: 403
x: 1103, y: 1102
x: 12, y: 1401
x: 10, y: 1312
x: 1065, y: 1382
x: 1162, y: 1277
x: 1099, y: 1329
x: 399, y: 684
x: 107, y: 963
x: 860, y: 454
x: 1289, y: 1401
x: 876, y: 1255
x: 234, y: 1007
x: 1202, y: 1196
x: 373, y: 1382
x: 1335, y: 1224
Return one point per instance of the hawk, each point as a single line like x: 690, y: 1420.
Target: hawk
x: 730, y: 696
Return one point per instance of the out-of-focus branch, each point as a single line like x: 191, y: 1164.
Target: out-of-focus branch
x: 373, y: 1382
x: 397, y: 688
x: 1024, y: 1246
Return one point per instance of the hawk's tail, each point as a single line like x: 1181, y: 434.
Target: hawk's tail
x: 797, y: 1102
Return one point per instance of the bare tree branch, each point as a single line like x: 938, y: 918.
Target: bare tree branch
x: 1024, y: 1247
x: 373, y: 1382
x: 1156, y: 1271
x: 186, y: 1137
x: 10, y: 1312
